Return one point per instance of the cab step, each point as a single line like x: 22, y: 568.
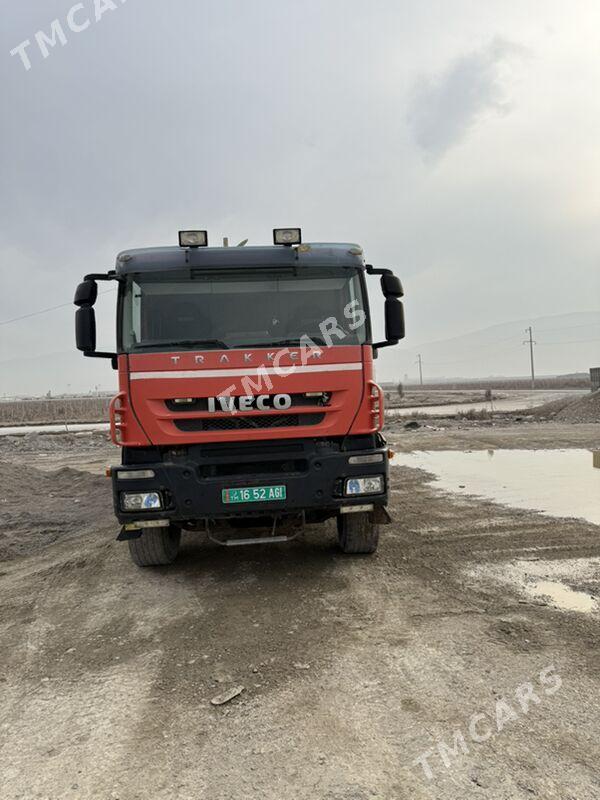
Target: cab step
x: 257, y: 540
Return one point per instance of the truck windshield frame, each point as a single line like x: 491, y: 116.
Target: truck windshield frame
x: 257, y: 307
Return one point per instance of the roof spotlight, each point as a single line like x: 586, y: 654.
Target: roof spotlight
x: 193, y: 239
x: 287, y: 236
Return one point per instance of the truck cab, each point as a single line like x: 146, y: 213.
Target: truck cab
x: 247, y: 396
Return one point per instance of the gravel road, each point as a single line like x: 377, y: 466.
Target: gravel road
x: 360, y: 675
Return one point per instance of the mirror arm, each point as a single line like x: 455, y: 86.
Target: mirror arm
x: 113, y: 357
x: 387, y: 343
x: 371, y: 270
x: 111, y: 275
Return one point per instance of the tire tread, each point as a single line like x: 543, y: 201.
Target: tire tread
x: 357, y: 533
x: 155, y: 547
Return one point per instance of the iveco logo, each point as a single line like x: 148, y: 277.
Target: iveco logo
x: 262, y: 402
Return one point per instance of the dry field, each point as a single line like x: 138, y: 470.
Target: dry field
x: 46, y: 411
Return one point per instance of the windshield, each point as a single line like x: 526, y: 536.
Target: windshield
x: 253, y: 308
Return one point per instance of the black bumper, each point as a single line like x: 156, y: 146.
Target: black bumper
x: 191, y: 482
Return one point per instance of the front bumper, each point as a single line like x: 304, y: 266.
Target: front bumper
x: 192, y: 483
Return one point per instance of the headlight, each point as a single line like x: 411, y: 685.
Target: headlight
x: 141, y: 501
x: 369, y: 485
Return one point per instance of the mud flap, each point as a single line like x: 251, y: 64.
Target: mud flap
x: 125, y: 535
x: 380, y: 516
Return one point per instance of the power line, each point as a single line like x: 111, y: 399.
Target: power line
x: 573, y: 341
x: 35, y: 313
x: 511, y: 338
x: 470, y: 360
x: 515, y: 340
x: 44, y: 311
x: 514, y: 337
x: 476, y: 359
x: 503, y: 350
x: 569, y: 327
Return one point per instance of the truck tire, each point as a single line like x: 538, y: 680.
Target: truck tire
x: 357, y: 533
x: 155, y: 547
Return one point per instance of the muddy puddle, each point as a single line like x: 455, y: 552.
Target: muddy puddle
x: 559, y: 483
x: 63, y: 427
x: 569, y: 584
x: 510, y: 401
x: 563, y: 597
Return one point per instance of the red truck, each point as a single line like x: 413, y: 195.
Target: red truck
x: 247, y: 396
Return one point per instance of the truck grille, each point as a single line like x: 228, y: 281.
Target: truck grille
x: 201, y: 403
x: 248, y: 423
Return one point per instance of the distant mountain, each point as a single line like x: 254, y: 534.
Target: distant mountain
x: 55, y: 372
x: 566, y: 343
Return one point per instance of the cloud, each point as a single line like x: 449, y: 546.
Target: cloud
x: 239, y: 117
x: 444, y: 108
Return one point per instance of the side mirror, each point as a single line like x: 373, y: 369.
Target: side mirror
x: 394, y: 310
x: 391, y: 286
x: 85, y: 329
x: 85, y: 318
x: 394, y: 320
x: 86, y: 293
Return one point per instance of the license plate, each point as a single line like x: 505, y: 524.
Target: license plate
x: 253, y: 494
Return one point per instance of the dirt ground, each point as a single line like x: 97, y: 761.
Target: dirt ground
x: 432, y: 397
x: 354, y: 668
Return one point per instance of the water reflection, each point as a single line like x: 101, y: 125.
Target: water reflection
x: 64, y: 427
x: 571, y: 584
x: 513, y: 401
x: 563, y: 596
x: 559, y: 483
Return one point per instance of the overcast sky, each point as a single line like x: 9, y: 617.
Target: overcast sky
x: 457, y: 141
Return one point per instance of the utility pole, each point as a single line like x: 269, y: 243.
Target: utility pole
x: 531, y: 342
x: 420, y: 363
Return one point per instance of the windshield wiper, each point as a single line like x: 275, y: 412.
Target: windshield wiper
x: 216, y: 343
x: 289, y: 342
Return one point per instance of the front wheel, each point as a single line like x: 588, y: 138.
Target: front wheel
x: 357, y: 533
x: 155, y: 547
